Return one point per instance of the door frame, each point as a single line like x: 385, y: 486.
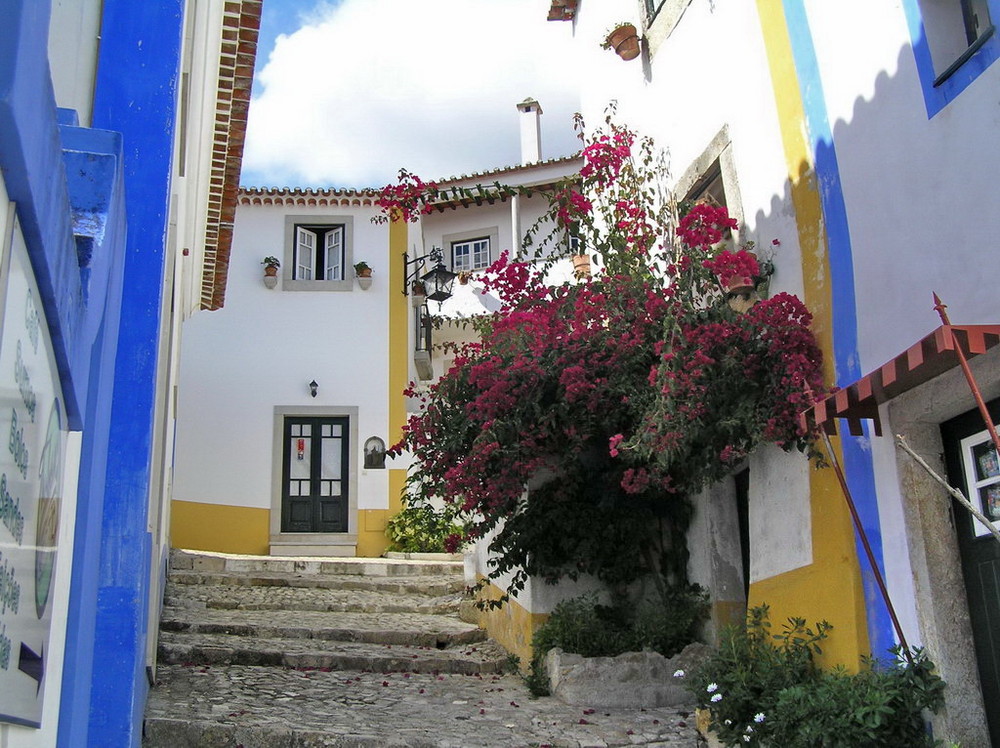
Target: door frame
x: 308, y: 539
x: 934, y: 569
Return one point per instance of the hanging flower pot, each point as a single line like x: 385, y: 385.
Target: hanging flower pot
x: 581, y: 266
x: 271, y: 265
x: 624, y: 40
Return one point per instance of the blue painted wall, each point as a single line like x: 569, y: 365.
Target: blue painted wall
x: 101, y: 291
x: 136, y: 95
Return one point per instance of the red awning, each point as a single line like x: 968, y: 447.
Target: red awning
x: 927, y: 358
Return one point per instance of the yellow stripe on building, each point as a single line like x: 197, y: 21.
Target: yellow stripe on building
x: 829, y: 588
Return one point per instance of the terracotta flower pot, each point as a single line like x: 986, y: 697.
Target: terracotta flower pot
x: 270, y: 270
x: 365, y: 273
x: 624, y: 40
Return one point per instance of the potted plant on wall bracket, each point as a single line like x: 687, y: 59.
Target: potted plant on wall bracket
x: 418, y: 293
x: 271, y: 265
x: 623, y: 39
x: 364, y: 272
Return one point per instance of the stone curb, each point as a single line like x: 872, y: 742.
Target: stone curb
x: 183, y: 560
x: 395, y: 629
x: 220, y: 649
x: 429, y: 586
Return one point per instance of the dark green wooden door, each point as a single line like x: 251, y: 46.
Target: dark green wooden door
x: 315, y: 475
x: 974, y: 469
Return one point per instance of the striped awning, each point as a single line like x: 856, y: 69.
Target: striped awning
x: 927, y: 358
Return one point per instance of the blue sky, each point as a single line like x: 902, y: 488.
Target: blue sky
x: 347, y: 92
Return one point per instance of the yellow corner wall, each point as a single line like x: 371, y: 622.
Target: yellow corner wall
x: 830, y: 587
x: 511, y: 626
x: 221, y: 528
x: 372, y: 541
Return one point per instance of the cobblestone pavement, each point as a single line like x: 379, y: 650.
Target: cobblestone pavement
x: 349, y: 708
x: 274, y: 658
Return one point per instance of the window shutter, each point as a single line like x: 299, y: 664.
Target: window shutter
x: 335, y: 254
x: 305, y: 253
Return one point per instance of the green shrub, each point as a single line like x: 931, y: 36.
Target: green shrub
x: 419, y: 528
x: 765, y: 690
x: 583, y: 626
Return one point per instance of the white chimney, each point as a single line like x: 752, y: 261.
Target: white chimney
x: 531, y: 134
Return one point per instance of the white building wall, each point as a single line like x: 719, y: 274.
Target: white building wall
x: 263, y: 348
x: 915, y: 188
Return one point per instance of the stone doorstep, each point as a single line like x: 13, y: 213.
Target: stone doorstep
x: 433, y: 586
x: 184, y: 560
x: 219, y: 649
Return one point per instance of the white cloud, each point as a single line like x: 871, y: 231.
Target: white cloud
x: 366, y: 87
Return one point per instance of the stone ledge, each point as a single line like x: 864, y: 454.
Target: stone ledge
x: 631, y: 681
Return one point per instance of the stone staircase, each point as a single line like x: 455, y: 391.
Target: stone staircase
x: 223, y: 614
x: 272, y: 652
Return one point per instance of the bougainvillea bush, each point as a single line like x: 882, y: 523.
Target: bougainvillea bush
x: 613, y: 400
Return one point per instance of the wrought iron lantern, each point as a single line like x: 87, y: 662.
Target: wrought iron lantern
x: 437, y: 281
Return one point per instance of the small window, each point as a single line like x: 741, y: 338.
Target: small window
x: 954, y: 31
x: 472, y: 254
x: 708, y: 189
x: 319, y: 253
x: 982, y: 477
x: 953, y: 42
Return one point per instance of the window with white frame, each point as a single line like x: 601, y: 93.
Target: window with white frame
x: 318, y: 252
x: 982, y: 477
x: 470, y: 254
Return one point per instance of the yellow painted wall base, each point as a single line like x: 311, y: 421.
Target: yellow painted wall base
x: 218, y: 527
x: 511, y: 626
x: 372, y: 541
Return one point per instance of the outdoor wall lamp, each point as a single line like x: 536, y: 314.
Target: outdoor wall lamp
x: 313, y: 388
x: 436, y: 282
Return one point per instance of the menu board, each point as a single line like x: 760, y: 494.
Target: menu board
x: 32, y: 445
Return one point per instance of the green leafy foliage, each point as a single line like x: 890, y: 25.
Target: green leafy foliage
x: 419, y: 528
x: 631, y: 391
x: 763, y: 689
x: 583, y: 626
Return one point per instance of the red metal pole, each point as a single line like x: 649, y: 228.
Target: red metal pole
x: 867, y: 546
x: 940, y: 307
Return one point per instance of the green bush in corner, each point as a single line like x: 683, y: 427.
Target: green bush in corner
x: 420, y: 528
x: 764, y: 689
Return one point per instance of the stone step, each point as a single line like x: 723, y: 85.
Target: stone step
x: 413, y: 585
x: 409, y: 629
x: 222, y: 649
x: 244, y: 597
x: 259, y: 707
x: 205, y: 561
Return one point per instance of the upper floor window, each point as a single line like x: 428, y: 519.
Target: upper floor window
x: 955, y: 29
x: 953, y: 42
x: 318, y: 251
x: 472, y: 254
